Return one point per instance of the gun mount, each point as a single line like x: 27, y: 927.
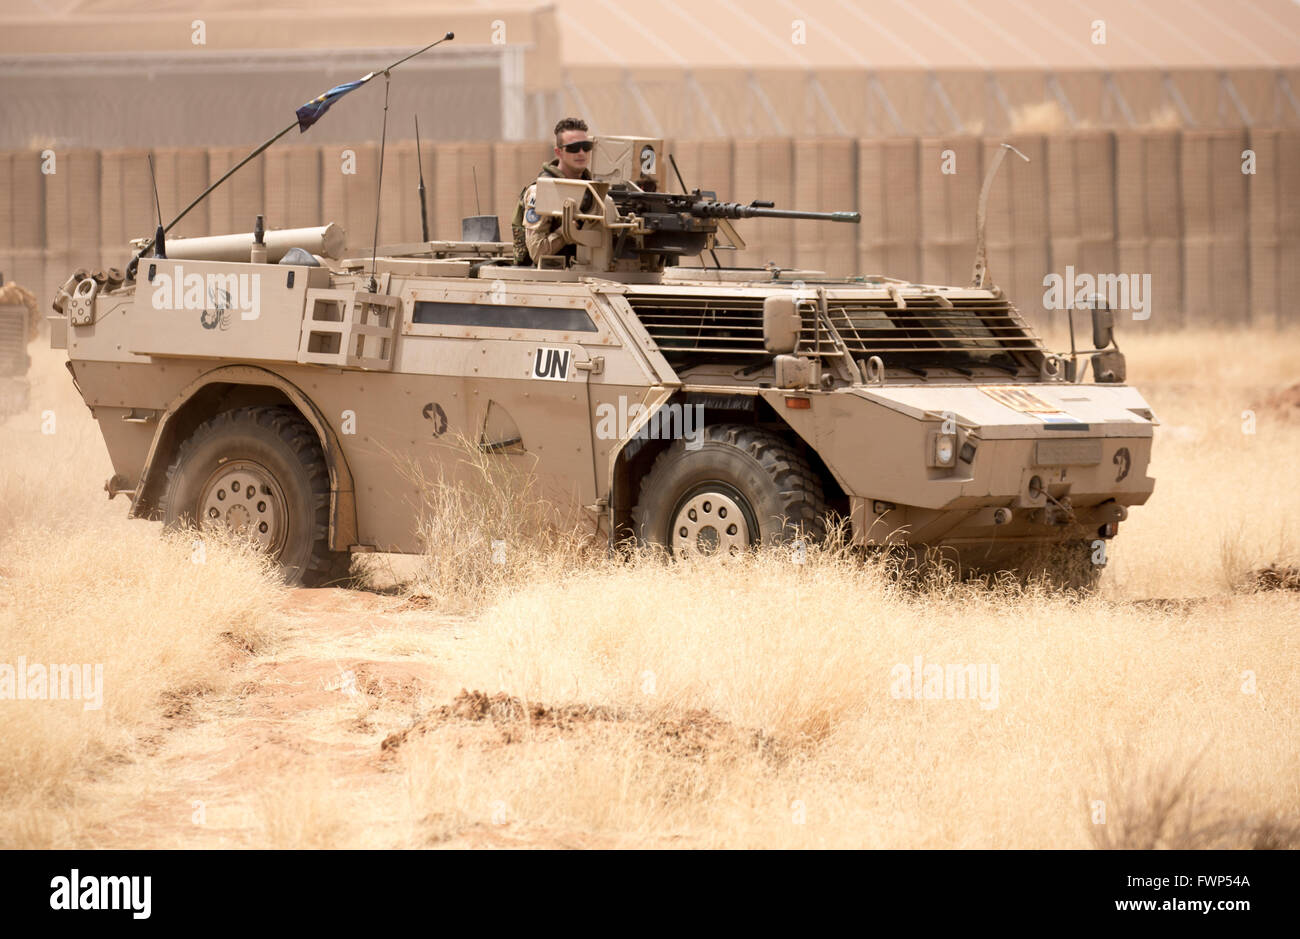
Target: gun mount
x: 622, y: 220
x: 626, y: 228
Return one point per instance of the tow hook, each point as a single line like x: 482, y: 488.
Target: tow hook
x: 1056, y: 512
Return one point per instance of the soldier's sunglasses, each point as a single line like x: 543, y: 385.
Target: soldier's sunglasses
x: 583, y: 145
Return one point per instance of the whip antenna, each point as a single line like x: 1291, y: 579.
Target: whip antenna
x: 673, y: 160
x: 160, y: 234
x: 154, y: 179
x: 424, y: 212
x: 383, y: 139
x: 304, y: 117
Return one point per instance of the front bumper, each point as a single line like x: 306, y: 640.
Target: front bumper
x: 1021, y: 476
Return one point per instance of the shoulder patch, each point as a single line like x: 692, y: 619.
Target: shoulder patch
x: 531, y: 216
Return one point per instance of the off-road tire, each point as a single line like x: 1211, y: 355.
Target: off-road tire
x: 776, y: 490
x: 279, y: 443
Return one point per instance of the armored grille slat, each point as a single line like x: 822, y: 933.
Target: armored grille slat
x: 927, y: 325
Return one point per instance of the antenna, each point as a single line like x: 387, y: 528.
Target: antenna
x: 160, y: 234
x: 304, y: 117
x: 673, y: 160
x: 681, y: 182
x: 478, y: 208
x: 373, y: 285
x: 424, y: 212
x: 981, y: 272
x: 154, y: 178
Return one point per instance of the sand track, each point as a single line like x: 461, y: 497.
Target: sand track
x: 347, y: 672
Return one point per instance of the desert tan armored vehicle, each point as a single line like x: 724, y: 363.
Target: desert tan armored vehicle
x: 17, y: 327
x: 270, y: 385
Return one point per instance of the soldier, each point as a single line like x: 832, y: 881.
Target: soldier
x: 533, y: 235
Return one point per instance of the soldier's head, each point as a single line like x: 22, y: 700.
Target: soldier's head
x: 572, y: 147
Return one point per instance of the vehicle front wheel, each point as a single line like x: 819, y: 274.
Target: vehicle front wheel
x: 260, y: 472
x: 741, y: 487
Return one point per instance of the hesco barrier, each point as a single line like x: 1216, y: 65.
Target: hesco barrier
x: 1213, y: 216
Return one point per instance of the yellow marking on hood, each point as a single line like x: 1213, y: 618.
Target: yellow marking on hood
x: 1019, y: 399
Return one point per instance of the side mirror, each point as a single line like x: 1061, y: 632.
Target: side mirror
x: 781, y: 325
x: 1103, y: 324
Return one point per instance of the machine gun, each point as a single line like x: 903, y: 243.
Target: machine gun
x: 623, y: 226
x: 684, y: 225
x: 623, y: 219
x: 705, y: 205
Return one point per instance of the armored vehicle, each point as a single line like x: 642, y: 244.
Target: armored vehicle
x: 265, y: 383
x: 17, y: 327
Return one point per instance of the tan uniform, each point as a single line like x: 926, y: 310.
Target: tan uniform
x: 539, y: 236
x: 539, y: 232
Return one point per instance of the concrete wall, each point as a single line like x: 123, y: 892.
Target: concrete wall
x: 1221, y: 246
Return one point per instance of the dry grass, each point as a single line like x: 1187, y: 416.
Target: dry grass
x: 751, y: 703
x: 303, y: 809
x: 1225, y: 502
x: 1148, y: 807
x: 806, y: 663
x: 487, y: 527
x: 802, y: 656
x: 79, y: 584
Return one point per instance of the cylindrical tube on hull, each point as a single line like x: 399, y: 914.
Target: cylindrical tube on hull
x: 326, y: 240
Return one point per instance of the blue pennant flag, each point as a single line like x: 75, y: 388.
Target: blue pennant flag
x: 312, y: 111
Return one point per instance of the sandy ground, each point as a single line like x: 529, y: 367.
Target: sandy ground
x: 348, y: 668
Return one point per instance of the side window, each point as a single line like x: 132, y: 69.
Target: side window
x: 502, y: 316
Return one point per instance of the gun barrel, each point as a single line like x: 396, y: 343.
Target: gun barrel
x: 706, y: 207
x: 853, y: 217
x: 736, y: 210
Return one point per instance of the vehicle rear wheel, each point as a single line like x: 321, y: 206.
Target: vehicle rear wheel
x: 259, y: 471
x: 742, y: 487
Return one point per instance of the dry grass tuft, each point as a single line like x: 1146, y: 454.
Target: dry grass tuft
x: 303, y: 809
x: 1162, y: 808
x: 487, y: 527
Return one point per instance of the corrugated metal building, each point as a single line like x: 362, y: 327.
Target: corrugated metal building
x: 1136, y: 116
x: 208, y: 72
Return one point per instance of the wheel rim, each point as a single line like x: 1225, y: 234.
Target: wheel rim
x: 712, y: 519
x: 242, y: 497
